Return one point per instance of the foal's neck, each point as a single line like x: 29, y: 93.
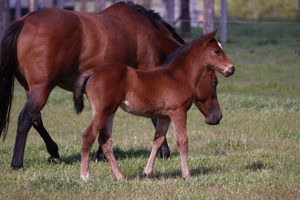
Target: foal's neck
x: 189, y: 64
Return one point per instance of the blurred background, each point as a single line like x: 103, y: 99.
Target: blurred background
x: 186, y: 14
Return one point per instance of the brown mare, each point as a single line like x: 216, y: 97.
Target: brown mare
x: 51, y: 47
x: 164, y: 93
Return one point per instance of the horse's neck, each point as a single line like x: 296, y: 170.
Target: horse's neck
x: 168, y: 44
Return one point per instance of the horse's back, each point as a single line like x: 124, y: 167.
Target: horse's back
x: 56, y: 45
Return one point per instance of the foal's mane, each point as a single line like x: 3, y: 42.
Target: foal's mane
x: 152, y: 17
x: 175, y: 53
x: 180, y: 50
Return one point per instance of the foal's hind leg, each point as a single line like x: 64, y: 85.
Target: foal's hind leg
x: 88, y: 140
x: 159, y: 138
x: 52, y: 147
x: 106, y: 130
x: 35, y: 102
x: 106, y: 142
x: 164, y: 150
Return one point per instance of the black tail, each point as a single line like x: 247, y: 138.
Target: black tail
x: 79, y: 89
x: 8, y: 62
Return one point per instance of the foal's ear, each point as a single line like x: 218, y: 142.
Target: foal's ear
x: 208, y: 37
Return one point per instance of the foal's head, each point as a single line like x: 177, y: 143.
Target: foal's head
x: 206, y: 97
x: 213, y: 55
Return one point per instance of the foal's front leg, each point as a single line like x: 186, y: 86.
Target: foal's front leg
x: 179, y: 122
x: 159, y: 138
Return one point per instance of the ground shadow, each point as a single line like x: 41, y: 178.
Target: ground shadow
x: 121, y: 154
x: 118, y: 153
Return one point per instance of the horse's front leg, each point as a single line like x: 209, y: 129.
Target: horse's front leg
x: 164, y: 150
x: 179, y: 122
x: 159, y: 138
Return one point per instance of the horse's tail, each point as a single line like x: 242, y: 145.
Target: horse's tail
x: 8, y: 63
x: 79, y: 89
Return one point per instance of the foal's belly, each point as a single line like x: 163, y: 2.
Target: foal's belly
x: 142, y: 107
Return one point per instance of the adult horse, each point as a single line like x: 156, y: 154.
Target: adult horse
x: 51, y: 47
x: 164, y: 93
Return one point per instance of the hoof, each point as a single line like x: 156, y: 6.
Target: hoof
x: 100, y: 156
x: 164, y: 155
x: 54, y: 160
x: 148, y: 175
x: 164, y: 152
x: 16, y: 167
x: 85, y: 178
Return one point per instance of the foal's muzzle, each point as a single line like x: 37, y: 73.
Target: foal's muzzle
x: 229, y: 71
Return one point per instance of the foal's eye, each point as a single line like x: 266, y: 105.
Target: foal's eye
x: 218, y: 52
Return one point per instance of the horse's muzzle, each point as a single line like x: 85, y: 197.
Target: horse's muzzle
x: 214, y: 118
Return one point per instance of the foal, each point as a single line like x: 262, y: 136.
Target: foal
x: 164, y: 93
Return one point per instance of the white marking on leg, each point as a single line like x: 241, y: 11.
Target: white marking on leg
x: 86, y: 177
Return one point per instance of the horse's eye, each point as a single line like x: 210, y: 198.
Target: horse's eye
x: 215, y: 82
x: 218, y: 52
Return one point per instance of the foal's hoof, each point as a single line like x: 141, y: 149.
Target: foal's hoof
x: 148, y: 175
x: 54, y: 160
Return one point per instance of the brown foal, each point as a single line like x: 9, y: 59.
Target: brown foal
x: 165, y: 93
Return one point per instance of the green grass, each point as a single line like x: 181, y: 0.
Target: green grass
x: 252, y: 154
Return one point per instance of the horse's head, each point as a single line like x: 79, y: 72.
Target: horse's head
x: 214, y: 55
x: 206, y: 98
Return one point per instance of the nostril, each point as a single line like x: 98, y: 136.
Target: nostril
x: 232, y: 69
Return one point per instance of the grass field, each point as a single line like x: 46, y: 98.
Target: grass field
x: 252, y: 154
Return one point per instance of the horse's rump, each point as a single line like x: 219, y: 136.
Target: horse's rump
x: 8, y: 63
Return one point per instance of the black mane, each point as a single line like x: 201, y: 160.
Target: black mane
x: 153, y: 17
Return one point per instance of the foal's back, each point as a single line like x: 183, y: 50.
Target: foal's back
x: 151, y: 93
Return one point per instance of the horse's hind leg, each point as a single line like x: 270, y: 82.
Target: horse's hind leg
x: 35, y: 102
x: 52, y: 147
x: 164, y: 150
x: 160, y: 136
x: 106, y: 142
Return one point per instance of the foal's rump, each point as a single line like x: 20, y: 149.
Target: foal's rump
x: 107, y: 81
